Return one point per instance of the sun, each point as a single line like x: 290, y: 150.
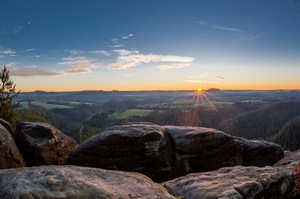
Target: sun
x: 199, y: 90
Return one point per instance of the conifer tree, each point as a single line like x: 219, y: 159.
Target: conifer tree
x: 7, y: 94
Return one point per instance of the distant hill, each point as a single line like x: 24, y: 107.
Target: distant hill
x: 289, y: 136
x: 261, y: 123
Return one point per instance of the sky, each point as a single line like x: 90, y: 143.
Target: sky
x: 64, y: 45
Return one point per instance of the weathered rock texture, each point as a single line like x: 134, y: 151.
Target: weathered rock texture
x: 10, y: 156
x: 137, y: 147
x: 200, y: 149
x: 259, y: 153
x: 234, y: 183
x: 7, y: 125
x: 291, y: 158
x: 76, y: 182
x: 164, y: 153
x: 43, y: 144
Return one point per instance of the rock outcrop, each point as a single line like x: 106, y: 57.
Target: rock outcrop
x: 42, y: 144
x: 10, y: 156
x: 234, y: 183
x: 76, y: 182
x: 199, y: 149
x: 259, y: 153
x: 7, y: 125
x: 136, y: 147
x: 164, y: 153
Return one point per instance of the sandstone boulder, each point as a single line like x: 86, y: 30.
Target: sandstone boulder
x: 292, y: 158
x: 10, y: 156
x: 259, y: 153
x: 43, y: 144
x: 76, y: 182
x: 199, y: 149
x: 234, y: 183
x: 134, y: 147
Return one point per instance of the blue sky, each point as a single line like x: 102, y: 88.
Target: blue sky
x: 151, y: 45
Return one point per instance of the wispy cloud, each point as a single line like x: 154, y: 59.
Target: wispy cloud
x: 227, y: 28
x: 254, y: 37
x: 128, y: 36
x: 132, y: 60
x: 220, y: 77
x: 35, y: 56
x: 116, y: 46
x: 173, y: 66
x: 75, y: 52
x: 29, y: 71
x: 29, y: 49
x: 101, y: 52
x: 123, y: 52
x: 119, y: 42
x: 218, y: 27
x: 79, y: 64
x: 7, y: 52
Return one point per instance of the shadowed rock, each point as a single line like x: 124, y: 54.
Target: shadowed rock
x: 76, y: 182
x: 162, y: 153
x: 200, y: 149
x: 259, y: 153
x: 41, y: 143
x: 134, y: 147
x: 10, y: 156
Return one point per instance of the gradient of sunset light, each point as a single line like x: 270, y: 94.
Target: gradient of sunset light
x: 126, y: 45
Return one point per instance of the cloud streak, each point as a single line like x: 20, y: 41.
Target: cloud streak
x: 173, y: 66
x: 79, y: 64
x: 227, y: 28
x: 218, y: 27
x: 128, y: 36
x: 30, y: 71
x: 101, y: 52
x: 7, y: 52
x: 132, y: 60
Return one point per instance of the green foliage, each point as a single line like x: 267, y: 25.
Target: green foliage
x: 262, y: 123
x: 7, y: 94
x: 131, y: 113
x: 288, y: 136
x: 34, y: 114
x: 46, y: 105
x: 87, y: 132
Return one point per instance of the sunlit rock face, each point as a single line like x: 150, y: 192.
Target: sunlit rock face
x: 163, y: 152
x: 10, y: 156
x: 43, y: 144
x: 73, y: 182
x: 234, y: 183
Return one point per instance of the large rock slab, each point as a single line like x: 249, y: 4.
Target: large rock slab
x: 134, y: 147
x: 259, y: 153
x: 166, y: 152
x: 200, y: 149
x: 76, y: 182
x: 234, y: 183
x: 43, y: 144
x: 10, y: 156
